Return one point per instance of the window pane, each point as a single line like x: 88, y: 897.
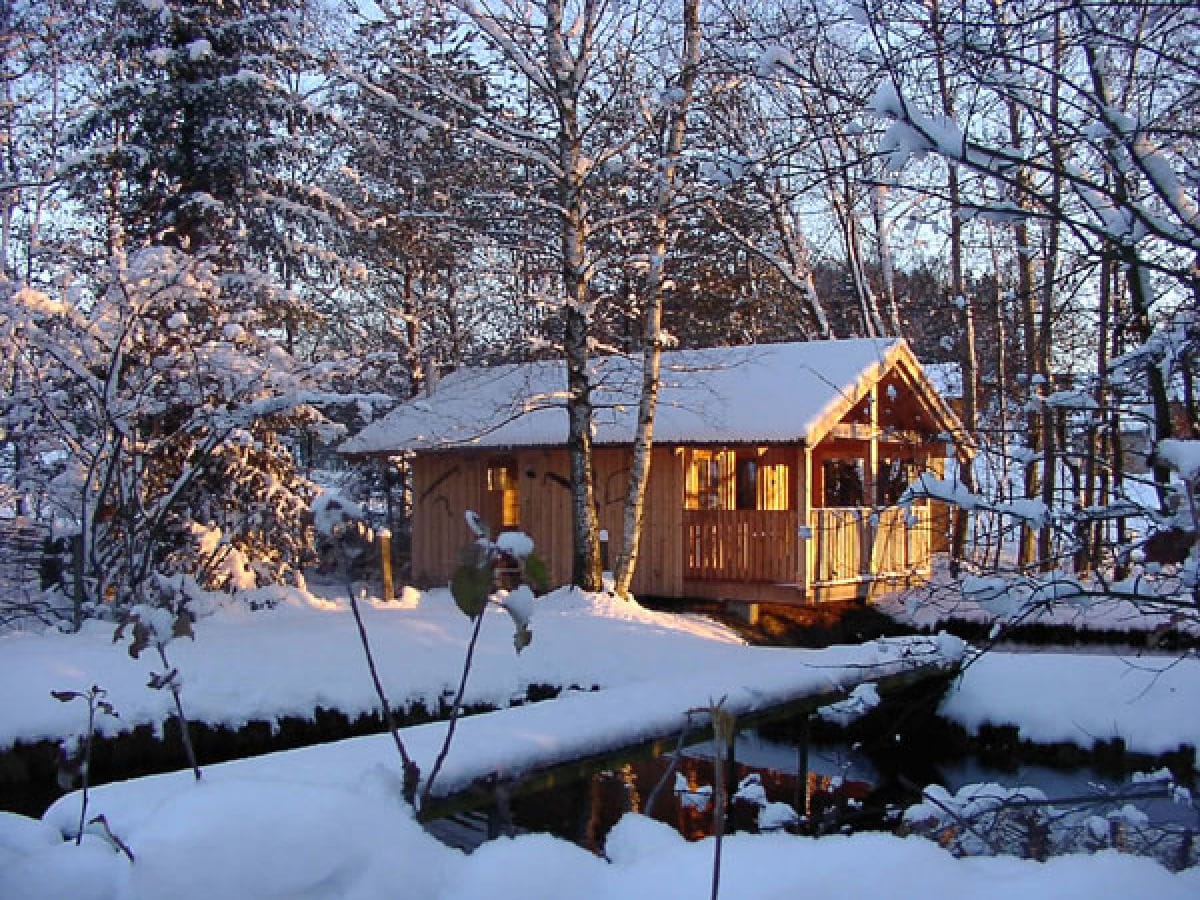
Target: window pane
x: 843, y: 482
x: 504, y: 500
x: 747, y: 484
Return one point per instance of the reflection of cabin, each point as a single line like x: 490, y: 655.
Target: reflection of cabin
x: 775, y: 473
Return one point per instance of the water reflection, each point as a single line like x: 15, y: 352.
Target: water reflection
x: 837, y: 787
x: 832, y: 787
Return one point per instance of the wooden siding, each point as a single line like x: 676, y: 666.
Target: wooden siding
x: 660, y: 557
x: 544, y: 489
x: 682, y: 548
x: 446, y: 485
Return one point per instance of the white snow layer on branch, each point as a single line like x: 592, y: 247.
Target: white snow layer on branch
x: 950, y: 490
x: 861, y: 701
x: 1181, y: 455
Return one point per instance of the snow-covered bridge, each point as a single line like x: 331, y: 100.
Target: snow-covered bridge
x: 583, y: 732
x: 529, y: 745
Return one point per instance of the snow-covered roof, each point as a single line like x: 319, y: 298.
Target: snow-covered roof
x: 759, y: 393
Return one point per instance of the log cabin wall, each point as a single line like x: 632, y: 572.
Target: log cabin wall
x: 660, y: 557
x: 544, y: 479
x: 445, y: 485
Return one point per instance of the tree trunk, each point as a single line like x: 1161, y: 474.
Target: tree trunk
x: 958, y: 290
x: 1049, y: 286
x: 887, y: 268
x: 576, y: 271
x: 643, y: 446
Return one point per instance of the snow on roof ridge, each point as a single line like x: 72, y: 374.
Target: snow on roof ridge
x: 745, y: 393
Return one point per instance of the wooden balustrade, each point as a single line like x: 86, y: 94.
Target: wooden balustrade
x: 740, y: 545
x: 854, y: 543
x: 850, y: 544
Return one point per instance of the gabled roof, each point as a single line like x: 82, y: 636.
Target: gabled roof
x: 764, y: 393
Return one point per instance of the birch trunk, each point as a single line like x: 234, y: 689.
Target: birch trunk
x: 585, y: 560
x: 968, y: 358
x: 643, y: 446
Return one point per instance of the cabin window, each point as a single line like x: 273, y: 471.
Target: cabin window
x: 735, y: 480
x: 772, y: 493
x: 761, y: 486
x: 844, y: 482
x: 710, y: 480
x: 894, y: 476
x: 746, y: 483
x: 504, y: 501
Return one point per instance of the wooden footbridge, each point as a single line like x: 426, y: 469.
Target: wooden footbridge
x: 539, y: 744
x: 535, y: 747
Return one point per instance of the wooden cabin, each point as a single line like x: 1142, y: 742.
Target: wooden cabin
x: 775, y: 473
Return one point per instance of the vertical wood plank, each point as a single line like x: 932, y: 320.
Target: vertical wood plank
x: 803, y: 506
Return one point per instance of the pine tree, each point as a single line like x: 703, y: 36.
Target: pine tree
x: 198, y: 156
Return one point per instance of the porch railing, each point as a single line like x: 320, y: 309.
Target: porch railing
x: 848, y: 544
x: 740, y: 545
x: 855, y: 543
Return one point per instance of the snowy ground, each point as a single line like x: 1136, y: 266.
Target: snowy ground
x: 271, y: 838
x: 941, y: 601
x: 326, y: 822
x: 306, y: 653
x: 1148, y: 701
x: 932, y: 610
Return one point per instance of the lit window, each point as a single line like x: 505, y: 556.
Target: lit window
x: 504, y: 499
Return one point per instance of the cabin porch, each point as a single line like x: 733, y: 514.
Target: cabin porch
x: 838, y: 553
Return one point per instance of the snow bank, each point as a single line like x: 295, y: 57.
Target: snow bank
x: 1149, y: 702
x: 328, y: 822
x: 288, y: 840
x: 305, y: 653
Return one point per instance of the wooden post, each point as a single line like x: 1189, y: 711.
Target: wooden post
x: 800, y: 802
x: 806, y: 539
x: 870, y: 526
x: 731, y: 781
x: 388, y: 484
x: 871, y: 476
x: 78, y: 592
x: 385, y: 564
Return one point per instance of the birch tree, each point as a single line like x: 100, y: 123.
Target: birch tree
x: 673, y: 126
x: 555, y: 99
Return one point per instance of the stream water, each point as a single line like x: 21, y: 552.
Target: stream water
x: 841, y: 789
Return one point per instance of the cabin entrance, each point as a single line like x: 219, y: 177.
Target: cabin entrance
x: 738, y: 521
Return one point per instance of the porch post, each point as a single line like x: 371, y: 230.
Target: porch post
x: 806, y: 540
x: 870, y: 532
x: 871, y: 476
